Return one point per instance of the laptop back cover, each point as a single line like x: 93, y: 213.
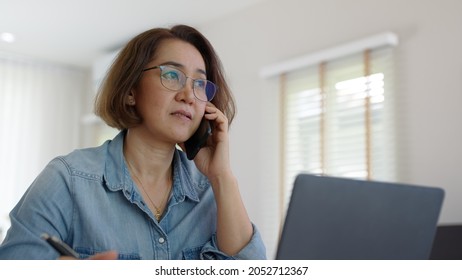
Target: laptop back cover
x: 337, y: 218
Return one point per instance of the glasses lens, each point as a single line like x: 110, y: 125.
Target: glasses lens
x: 204, y: 90
x: 210, y: 90
x: 171, y: 78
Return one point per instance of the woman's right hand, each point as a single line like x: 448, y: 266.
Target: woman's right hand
x: 108, y: 255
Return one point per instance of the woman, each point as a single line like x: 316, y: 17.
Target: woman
x: 138, y: 196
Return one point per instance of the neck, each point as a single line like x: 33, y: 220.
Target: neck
x: 150, y: 167
x: 151, y: 162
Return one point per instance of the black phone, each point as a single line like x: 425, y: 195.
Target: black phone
x: 198, y: 140
x: 60, y: 246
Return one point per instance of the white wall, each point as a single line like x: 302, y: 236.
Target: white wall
x: 430, y: 87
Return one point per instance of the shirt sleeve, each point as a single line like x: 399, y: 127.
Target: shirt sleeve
x: 42, y: 209
x: 254, y: 250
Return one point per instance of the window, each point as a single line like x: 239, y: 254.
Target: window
x: 338, y: 118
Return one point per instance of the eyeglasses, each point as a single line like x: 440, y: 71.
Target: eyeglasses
x: 174, y: 79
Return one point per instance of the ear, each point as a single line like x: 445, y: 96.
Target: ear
x: 131, y: 98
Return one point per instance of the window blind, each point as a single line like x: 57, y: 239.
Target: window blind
x: 338, y: 119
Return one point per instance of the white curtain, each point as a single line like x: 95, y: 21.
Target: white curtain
x: 40, y: 108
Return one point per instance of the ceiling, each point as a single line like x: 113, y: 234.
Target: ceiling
x: 76, y: 32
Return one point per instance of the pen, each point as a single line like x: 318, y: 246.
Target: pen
x: 60, y: 246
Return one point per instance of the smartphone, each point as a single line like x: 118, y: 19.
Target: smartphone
x: 198, y: 140
x: 60, y: 246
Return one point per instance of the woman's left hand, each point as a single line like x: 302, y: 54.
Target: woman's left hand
x: 213, y: 159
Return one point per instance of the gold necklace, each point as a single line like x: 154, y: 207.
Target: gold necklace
x: 158, y: 210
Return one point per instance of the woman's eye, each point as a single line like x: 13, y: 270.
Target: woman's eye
x: 200, y: 83
x: 171, y: 75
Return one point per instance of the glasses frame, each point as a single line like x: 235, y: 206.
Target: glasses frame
x: 161, y: 67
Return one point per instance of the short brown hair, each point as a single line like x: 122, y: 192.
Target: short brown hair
x: 124, y: 75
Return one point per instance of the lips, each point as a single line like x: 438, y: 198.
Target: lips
x: 182, y: 113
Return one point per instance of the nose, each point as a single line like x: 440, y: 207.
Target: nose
x: 186, y: 94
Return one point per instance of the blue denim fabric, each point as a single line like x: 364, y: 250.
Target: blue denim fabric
x: 89, y: 200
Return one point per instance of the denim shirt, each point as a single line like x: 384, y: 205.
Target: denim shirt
x: 89, y: 201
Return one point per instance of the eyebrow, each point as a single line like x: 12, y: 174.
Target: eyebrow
x: 179, y: 65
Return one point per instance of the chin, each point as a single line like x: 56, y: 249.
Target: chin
x: 181, y: 138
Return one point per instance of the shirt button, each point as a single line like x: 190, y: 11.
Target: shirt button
x: 161, y: 240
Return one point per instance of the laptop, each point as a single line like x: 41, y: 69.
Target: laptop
x: 331, y: 218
